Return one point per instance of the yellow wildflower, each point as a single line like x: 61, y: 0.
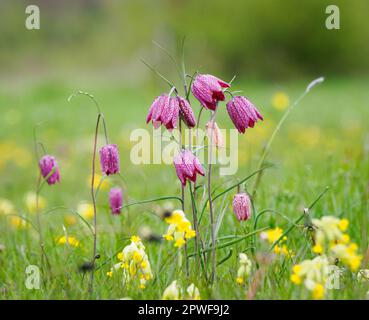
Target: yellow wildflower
x: 318, y: 291
x: 86, y: 210
x: 70, y: 240
x: 99, y: 181
x: 32, y: 204
x: 179, y: 229
x: 280, y: 101
x: 6, y: 207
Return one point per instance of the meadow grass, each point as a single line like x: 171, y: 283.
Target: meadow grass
x: 325, y: 142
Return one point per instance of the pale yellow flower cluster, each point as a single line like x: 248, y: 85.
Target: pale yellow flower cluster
x: 245, y: 268
x: 175, y: 292
x: 313, y: 274
x: 331, y: 238
x: 134, y: 262
x: 272, y: 236
x: 179, y: 228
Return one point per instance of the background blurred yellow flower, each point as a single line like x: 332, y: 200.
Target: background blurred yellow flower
x: 280, y: 101
x: 30, y: 201
x: 86, y: 210
x: 99, y: 181
x: 6, y: 207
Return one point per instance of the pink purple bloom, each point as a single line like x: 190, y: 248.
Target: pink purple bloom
x: 243, y: 113
x: 186, y: 112
x: 164, y: 110
x: 49, y: 169
x: 208, y: 90
x: 109, y: 159
x: 242, y: 206
x: 187, y: 166
x: 115, y: 200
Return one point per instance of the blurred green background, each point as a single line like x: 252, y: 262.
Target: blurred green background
x: 268, y: 39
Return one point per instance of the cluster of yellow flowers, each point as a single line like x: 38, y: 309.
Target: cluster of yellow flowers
x: 134, y: 262
x: 67, y: 240
x: 331, y: 239
x: 175, y: 292
x: 245, y: 268
x: 332, y: 244
x: 272, y: 236
x: 313, y: 273
x: 8, y: 209
x: 179, y: 228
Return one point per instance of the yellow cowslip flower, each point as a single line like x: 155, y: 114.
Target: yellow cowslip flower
x: 244, y: 270
x: 272, y: 236
x: 347, y: 254
x: 179, y: 229
x: 172, y: 292
x: 70, y: 240
x: 318, y: 249
x: 343, y: 224
x: 313, y: 274
x: 193, y: 292
x: 18, y: 222
x: 280, y: 101
x: 99, y: 181
x: 134, y: 263
x: 318, y: 292
x: 86, y: 210
x: 32, y: 204
x: 6, y: 207
x: 136, y: 239
x: 109, y: 273
x: 363, y: 275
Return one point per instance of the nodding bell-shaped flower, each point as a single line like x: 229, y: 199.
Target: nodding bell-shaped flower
x: 214, y: 134
x: 49, y: 169
x: 164, y: 110
x: 187, y: 166
x: 242, y: 206
x: 109, y: 159
x: 208, y: 90
x: 186, y: 112
x: 115, y: 200
x: 243, y: 113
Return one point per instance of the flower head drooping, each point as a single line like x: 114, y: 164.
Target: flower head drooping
x: 186, y: 112
x: 208, y: 90
x: 115, y: 200
x: 242, y: 206
x: 187, y: 166
x: 134, y: 262
x: 49, y: 169
x: 245, y: 268
x: 214, y: 134
x: 164, y: 110
x: 109, y: 159
x: 179, y: 228
x: 313, y: 273
x: 242, y: 113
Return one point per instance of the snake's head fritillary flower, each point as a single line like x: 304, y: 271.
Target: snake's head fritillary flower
x: 242, y: 206
x: 109, y: 159
x: 164, y: 110
x: 49, y: 169
x: 186, y: 112
x: 208, y: 90
x: 243, y: 113
x: 187, y: 166
x: 115, y: 200
x: 214, y: 134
